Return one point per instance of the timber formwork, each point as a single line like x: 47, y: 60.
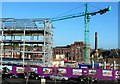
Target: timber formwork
x: 27, y: 38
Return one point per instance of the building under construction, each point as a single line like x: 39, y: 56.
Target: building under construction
x: 27, y: 38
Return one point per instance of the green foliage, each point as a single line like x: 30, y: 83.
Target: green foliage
x: 101, y: 50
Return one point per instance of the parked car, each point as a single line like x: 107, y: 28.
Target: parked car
x: 86, y: 78
x: 58, y: 77
x: 30, y: 75
x: 6, y: 73
x: 21, y: 75
x: 33, y: 75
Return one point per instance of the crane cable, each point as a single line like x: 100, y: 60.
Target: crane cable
x: 62, y: 14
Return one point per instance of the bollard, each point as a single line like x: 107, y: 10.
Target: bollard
x: 43, y: 80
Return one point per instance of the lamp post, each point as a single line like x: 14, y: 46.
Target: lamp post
x: 105, y: 61
x: 92, y: 61
x: 114, y: 62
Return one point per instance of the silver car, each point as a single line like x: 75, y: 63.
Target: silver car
x: 58, y: 77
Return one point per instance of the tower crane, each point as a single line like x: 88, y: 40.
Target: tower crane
x: 86, y: 15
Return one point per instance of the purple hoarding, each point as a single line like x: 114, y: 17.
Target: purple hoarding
x: 71, y: 72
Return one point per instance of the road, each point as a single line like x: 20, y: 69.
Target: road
x: 31, y: 81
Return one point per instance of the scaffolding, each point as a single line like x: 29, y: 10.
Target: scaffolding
x: 27, y: 38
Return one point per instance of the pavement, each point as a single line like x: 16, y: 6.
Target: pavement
x: 32, y: 81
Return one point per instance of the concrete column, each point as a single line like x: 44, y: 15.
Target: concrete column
x: 23, y: 54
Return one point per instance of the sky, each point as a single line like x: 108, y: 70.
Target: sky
x: 66, y: 32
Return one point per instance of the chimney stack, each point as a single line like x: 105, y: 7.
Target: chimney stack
x: 96, y: 46
x: 96, y: 41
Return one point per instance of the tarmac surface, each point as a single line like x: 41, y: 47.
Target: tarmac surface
x: 32, y: 81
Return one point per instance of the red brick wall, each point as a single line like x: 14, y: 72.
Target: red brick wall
x: 75, y: 50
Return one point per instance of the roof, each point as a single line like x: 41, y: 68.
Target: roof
x: 63, y: 46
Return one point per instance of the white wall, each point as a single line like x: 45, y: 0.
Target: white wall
x: 58, y: 63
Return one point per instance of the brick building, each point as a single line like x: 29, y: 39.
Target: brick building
x: 73, y: 52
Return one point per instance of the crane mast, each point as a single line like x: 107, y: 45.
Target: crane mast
x: 86, y: 36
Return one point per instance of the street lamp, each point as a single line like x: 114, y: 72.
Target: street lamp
x: 114, y: 62
x: 92, y: 61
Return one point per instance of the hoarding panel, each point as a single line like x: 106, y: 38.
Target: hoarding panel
x: 77, y: 71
